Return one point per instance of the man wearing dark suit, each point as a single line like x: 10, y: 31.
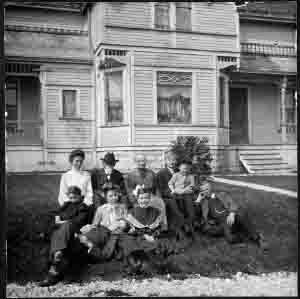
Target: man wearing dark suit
x: 174, y: 217
x: 105, y: 176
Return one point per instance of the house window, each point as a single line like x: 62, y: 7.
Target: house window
x: 222, y: 101
x: 183, y: 16
x: 113, y: 95
x: 12, y: 100
x: 174, y: 93
x: 290, y: 107
x: 161, y: 15
x: 69, y: 103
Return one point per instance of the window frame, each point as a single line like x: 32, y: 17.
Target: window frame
x: 190, y: 9
x: 154, y: 25
x: 77, y: 105
x: 155, y: 97
x: 103, y: 116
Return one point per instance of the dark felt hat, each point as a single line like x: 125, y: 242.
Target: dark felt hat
x: 109, y: 158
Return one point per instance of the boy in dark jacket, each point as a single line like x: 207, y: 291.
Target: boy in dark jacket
x: 68, y: 221
x: 222, y: 216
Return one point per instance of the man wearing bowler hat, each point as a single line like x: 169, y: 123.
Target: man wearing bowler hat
x: 103, y: 177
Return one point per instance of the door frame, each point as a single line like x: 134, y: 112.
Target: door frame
x: 245, y: 86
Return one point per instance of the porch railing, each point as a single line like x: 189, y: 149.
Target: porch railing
x: 291, y: 129
x: 25, y: 132
x: 264, y: 49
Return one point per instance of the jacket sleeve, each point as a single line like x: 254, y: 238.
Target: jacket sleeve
x: 88, y: 199
x: 94, y: 179
x: 129, y: 187
x: 122, y: 184
x: 82, y: 215
x: 63, y: 188
x: 171, y: 183
x: 98, y: 216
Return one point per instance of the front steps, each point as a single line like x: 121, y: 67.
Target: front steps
x: 263, y: 160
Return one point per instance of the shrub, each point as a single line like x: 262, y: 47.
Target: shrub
x: 194, y: 150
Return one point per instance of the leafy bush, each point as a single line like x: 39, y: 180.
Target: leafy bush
x: 194, y: 150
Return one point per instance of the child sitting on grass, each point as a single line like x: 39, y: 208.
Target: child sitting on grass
x: 145, y: 224
x: 109, y: 220
x: 72, y: 215
x: 182, y: 186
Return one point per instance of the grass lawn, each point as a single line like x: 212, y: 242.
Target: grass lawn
x: 284, y: 182
x: 30, y: 197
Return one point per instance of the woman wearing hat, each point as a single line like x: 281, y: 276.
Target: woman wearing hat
x: 76, y: 177
x: 106, y: 176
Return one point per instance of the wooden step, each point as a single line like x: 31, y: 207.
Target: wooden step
x: 271, y: 171
x: 260, y: 157
x: 265, y: 161
x: 282, y: 166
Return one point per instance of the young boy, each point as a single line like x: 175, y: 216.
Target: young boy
x: 222, y: 216
x: 182, y: 186
x: 109, y: 220
x: 72, y: 215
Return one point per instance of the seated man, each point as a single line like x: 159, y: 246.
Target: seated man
x: 146, y: 178
x: 174, y: 217
x: 222, y: 216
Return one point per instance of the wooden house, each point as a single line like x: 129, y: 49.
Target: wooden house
x: 130, y: 77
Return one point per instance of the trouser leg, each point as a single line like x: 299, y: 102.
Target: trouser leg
x: 175, y: 218
x: 61, y: 237
x: 246, y: 225
x: 189, y: 209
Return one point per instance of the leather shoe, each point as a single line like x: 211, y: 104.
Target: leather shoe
x: 49, y: 281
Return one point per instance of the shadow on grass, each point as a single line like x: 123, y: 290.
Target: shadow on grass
x: 32, y: 197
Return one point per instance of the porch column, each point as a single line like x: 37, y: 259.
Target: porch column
x: 282, y: 106
x: 43, y: 101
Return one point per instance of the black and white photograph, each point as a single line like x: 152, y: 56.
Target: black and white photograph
x: 150, y: 149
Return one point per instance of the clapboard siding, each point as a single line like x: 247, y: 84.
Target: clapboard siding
x: 44, y: 18
x: 125, y: 36
x: 205, y: 102
x: 162, y: 135
x: 97, y: 23
x: 77, y: 78
x: 128, y: 14
x: 206, y: 42
x: 35, y: 44
x: 114, y: 136
x: 267, y: 32
x: 214, y: 18
x: 147, y: 58
x: 143, y: 96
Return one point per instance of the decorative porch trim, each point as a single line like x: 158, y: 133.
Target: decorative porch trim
x: 44, y: 29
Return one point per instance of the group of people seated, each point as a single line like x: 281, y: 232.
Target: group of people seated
x: 105, y: 216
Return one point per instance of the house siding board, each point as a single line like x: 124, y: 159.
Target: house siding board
x: 68, y: 133
x: 128, y: 14
x: 143, y: 88
x: 44, y: 18
x: 214, y: 17
x: 146, y: 58
x: 34, y: 44
x: 205, y: 103
x: 267, y: 32
x: 164, y: 135
x: 116, y: 136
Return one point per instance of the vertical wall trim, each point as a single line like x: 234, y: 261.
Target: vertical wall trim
x: 44, y: 109
x: 94, y: 113
x: 238, y: 41
x: 250, y: 129
x: 19, y: 103
x: 154, y: 96
x: 132, y: 100
x: 195, y: 97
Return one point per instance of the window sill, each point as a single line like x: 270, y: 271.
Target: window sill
x: 70, y: 118
x: 116, y: 125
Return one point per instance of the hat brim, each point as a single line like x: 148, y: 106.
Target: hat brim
x: 109, y: 161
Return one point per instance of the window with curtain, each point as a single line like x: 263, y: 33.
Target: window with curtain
x: 290, y: 107
x: 113, y: 94
x: 69, y: 103
x: 183, y: 16
x: 174, y: 94
x: 11, y: 99
x: 161, y: 15
x: 222, y: 101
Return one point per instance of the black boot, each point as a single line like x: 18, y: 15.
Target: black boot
x: 52, y: 278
